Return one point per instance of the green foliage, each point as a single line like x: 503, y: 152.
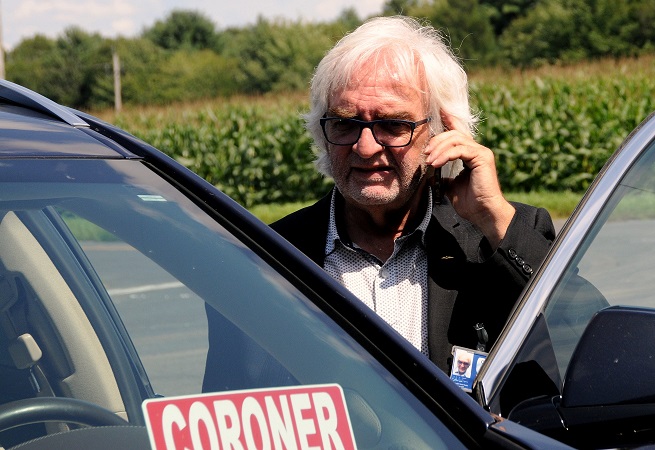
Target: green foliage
x: 503, y: 12
x: 571, y: 30
x: 140, y: 75
x: 551, y: 130
x: 209, y: 74
x: 467, y: 27
x: 276, y: 56
x: 394, y: 7
x: 190, y: 30
x: 85, y: 230
x: 28, y: 64
x: 60, y: 69
x: 347, y: 20
x: 555, y: 134
x: 183, y: 57
x: 254, y: 154
x: 560, y: 204
x: 271, y: 212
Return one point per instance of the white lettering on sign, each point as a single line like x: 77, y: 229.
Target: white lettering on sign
x: 282, y: 433
x: 295, y: 418
x: 199, y: 414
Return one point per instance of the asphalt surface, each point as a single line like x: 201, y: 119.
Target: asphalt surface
x: 166, y: 321
x: 559, y: 223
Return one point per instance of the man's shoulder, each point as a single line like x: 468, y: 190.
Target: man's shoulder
x: 307, y: 228
x: 312, y: 215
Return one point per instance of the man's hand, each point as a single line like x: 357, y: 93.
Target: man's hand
x: 475, y: 193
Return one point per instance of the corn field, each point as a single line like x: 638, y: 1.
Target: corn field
x: 551, y: 129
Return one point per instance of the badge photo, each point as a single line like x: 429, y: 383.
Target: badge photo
x: 466, y: 365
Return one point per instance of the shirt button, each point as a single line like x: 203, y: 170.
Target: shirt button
x: 384, y: 272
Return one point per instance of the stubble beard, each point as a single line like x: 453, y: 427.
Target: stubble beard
x: 394, y: 194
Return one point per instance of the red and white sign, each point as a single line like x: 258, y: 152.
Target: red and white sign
x: 294, y: 418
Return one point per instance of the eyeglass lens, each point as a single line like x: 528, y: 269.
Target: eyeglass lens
x: 392, y: 133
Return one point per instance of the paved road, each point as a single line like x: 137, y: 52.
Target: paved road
x: 559, y: 223
x: 165, y: 320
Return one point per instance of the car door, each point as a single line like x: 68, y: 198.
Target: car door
x: 120, y: 288
x: 577, y: 358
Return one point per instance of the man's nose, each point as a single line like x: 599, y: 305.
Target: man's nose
x: 367, y: 146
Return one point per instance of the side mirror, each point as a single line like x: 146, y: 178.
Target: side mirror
x: 614, y: 361
x: 608, y: 395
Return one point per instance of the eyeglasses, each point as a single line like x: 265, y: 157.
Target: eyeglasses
x: 386, y: 132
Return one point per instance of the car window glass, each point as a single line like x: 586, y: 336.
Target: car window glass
x: 164, y: 318
x: 113, y: 235
x: 613, y: 264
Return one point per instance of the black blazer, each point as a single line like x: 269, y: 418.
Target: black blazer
x: 468, y: 283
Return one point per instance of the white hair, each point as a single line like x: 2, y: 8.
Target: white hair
x: 415, y: 53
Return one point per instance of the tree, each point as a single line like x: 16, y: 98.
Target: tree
x: 467, y: 27
x: 142, y: 63
x: 78, y: 63
x: 644, y: 15
x: 571, y: 30
x: 504, y: 12
x: 27, y: 63
x: 348, y: 19
x: 276, y: 56
x: 183, y: 30
x: 542, y: 35
x: 194, y: 75
x: 398, y: 7
x: 62, y: 70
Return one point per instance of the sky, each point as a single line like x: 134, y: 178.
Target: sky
x: 22, y: 19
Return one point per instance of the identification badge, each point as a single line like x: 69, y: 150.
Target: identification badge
x: 466, y: 365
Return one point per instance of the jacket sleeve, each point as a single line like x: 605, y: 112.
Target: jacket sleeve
x: 525, y: 244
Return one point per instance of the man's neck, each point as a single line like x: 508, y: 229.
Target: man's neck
x: 375, y: 229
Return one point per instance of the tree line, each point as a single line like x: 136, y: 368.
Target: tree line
x: 184, y: 57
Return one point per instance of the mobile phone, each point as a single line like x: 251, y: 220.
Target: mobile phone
x: 438, y: 186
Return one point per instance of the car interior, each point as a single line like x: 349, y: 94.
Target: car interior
x: 48, y: 347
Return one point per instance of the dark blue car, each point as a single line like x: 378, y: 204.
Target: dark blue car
x: 118, y: 267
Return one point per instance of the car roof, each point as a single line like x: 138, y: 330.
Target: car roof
x: 35, y: 127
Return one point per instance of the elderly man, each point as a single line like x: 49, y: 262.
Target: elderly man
x: 434, y: 257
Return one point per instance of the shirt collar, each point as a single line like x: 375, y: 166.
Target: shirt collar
x: 333, y: 230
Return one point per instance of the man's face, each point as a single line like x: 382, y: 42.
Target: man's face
x: 463, y: 364
x: 367, y: 173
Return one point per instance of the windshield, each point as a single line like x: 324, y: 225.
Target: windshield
x: 96, y: 248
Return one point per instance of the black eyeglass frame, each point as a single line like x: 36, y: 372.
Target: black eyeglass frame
x: 370, y: 124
